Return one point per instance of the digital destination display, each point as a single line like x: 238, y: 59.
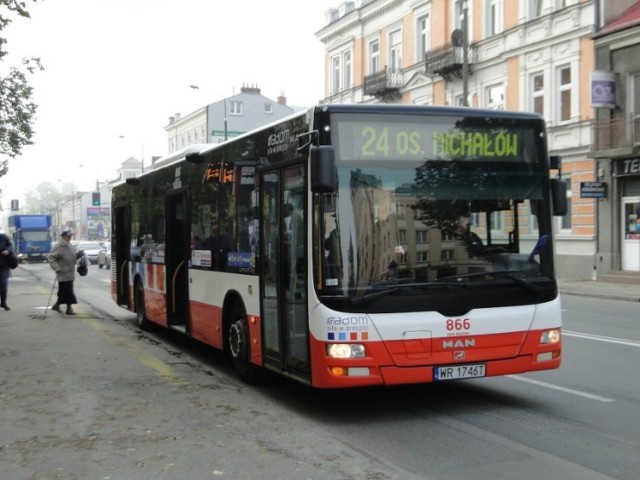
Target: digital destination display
x: 433, y: 138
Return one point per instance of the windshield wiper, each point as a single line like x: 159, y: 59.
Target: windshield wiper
x: 394, y: 288
x: 510, y: 274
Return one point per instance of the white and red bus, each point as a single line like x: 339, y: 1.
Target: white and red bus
x: 353, y: 245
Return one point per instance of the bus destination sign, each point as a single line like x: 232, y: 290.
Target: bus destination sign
x: 410, y: 140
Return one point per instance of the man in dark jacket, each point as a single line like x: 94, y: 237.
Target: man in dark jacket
x: 6, y: 246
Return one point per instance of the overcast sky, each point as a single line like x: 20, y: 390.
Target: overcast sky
x: 121, y: 67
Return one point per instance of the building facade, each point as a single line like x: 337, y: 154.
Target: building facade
x: 226, y: 118
x: 523, y: 55
x: 616, y: 138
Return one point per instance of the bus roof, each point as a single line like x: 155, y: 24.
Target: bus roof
x: 427, y: 110
x: 401, y: 109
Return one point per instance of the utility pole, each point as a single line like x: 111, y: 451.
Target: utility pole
x: 465, y: 53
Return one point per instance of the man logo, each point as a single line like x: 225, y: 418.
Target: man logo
x: 466, y: 343
x: 459, y: 355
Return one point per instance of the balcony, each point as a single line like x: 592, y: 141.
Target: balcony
x: 384, y: 85
x: 615, y: 137
x: 447, y: 61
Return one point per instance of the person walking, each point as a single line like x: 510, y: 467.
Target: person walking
x: 6, y: 246
x: 62, y: 259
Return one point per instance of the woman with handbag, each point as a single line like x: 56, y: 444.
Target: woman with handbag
x: 62, y: 259
x: 6, y: 250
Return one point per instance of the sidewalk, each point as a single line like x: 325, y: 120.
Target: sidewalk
x: 598, y: 289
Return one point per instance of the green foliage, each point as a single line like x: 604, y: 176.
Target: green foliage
x: 17, y: 110
x: 47, y: 197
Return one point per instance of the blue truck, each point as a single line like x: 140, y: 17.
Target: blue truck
x: 31, y: 236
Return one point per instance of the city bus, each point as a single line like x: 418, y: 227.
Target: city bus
x: 353, y: 245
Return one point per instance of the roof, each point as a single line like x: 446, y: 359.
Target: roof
x: 629, y: 18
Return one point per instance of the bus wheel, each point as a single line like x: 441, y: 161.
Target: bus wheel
x: 239, y: 345
x: 141, y: 320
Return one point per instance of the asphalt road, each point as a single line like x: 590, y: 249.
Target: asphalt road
x: 93, y: 397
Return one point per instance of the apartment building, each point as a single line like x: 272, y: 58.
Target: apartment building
x: 226, y: 118
x: 616, y: 137
x: 523, y: 55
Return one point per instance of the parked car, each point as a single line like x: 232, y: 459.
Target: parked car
x: 91, y: 250
x: 104, y: 256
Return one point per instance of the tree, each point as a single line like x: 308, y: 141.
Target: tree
x: 46, y: 198
x: 17, y: 109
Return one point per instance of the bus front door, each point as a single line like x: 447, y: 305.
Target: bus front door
x: 284, y: 281
x: 176, y: 257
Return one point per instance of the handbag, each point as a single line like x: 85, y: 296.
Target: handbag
x: 82, y: 266
x: 12, y: 260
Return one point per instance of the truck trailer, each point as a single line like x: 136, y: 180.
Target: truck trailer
x: 31, y: 236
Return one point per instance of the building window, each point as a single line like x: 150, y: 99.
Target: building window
x: 537, y: 93
x: 459, y: 7
x: 495, y: 97
x: 395, y: 51
x: 235, y: 107
x: 347, y: 70
x: 447, y: 254
x: 494, y: 17
x: 268, y: 107
x: 535, y: 8
x: 564, y: 80
x: 335, y: 75
x: 458, y: 13
x: 402, y: 235
x: 422, y: 257
x: 633, y: 104
x: 423, y: 40
x: 422, y: 236
x: 496, y: 221
x: 446, y: 236
x: 374, y: 56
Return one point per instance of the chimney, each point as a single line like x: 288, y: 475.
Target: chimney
x: 250, y: 89
x: 282, y: 100
x: 177, y: 116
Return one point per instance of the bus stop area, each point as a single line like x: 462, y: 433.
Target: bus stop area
x: 90, y: 396
x: 84, y: 397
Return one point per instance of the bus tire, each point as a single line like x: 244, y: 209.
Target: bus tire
x: 240, y: 345
x: 141, y: 320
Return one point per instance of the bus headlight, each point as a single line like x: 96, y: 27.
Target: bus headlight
x: 550, y: 336
x: 345, y: 350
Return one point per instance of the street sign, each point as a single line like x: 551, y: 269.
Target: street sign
x: 593, y: 190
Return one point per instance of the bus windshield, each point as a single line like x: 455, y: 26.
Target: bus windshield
x: 433, y: 213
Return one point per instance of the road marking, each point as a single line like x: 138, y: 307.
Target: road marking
x: 601, y: 338
x: 590, y: 396
x: 161, y: 368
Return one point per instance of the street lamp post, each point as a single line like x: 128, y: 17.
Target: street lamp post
x: 465, y: 54
x: 224, y: 104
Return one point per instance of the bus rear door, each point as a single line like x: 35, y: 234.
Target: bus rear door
x: 176, y: 262
x: 121, y: 233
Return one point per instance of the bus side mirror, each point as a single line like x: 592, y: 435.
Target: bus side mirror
x: 323, y: 169
x: 559, y: 197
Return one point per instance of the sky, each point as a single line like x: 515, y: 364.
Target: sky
x: 116, y: 70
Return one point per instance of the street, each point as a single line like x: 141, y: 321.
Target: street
x: 93, y: 397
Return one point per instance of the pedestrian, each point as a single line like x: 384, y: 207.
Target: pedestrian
x: 62, y: 259
x: 6, y: 247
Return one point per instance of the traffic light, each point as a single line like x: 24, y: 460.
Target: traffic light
x: 95, y: 199
x: 15, y: 205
